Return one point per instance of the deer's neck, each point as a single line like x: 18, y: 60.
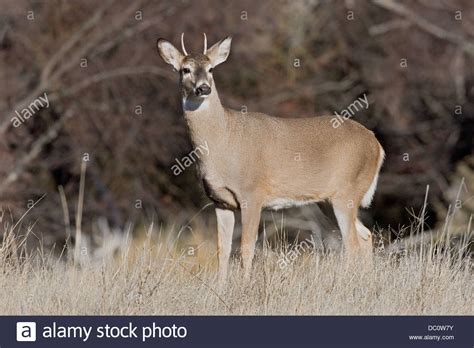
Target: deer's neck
x: 206, y: 119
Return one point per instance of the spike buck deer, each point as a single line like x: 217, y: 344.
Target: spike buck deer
x: 258, y: 161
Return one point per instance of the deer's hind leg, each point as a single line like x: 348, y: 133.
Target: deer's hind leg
x: 364, y: 236
x: 346, y: 215
x: 250, y: 222
x: 357, y: 238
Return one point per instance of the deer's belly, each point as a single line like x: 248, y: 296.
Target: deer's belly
x: 282, y: 203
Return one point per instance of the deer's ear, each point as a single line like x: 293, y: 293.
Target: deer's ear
x: 169, y: 53
x: 219, y: 52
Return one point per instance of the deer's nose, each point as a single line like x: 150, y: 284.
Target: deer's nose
x: 203, y: 90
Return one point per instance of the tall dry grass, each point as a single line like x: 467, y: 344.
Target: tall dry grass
x: 150, y: 276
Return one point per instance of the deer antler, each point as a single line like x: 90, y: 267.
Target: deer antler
x: 205, y: 43
x: 182, y: 44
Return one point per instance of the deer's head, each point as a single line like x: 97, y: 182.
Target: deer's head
x: 195, y: 70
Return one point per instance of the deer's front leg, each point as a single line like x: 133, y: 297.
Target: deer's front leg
x: 225, y: 230
x: 250, y: 222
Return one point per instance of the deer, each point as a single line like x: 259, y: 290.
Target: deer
x: 257, y: 161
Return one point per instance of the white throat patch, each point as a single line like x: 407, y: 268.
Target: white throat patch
x: 194, y: 105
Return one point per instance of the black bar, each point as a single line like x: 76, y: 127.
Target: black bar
x: 243, y: 331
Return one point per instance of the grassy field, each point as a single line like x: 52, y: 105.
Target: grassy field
x: 146, y: 278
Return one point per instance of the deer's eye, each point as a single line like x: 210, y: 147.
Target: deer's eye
x: 186, y: 71
x: 210, y: 70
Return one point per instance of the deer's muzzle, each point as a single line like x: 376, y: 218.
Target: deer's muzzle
x: 203, y: 90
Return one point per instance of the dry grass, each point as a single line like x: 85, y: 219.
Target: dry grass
x: 147, y: 279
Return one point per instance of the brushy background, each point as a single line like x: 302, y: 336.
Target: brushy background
x: 413, y: 59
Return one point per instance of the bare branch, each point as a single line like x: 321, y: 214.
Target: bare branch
x: 120, y: 72
x: 425, y: 25
x: 36, y: 148
x: 385, y: 27
x: 73, y: 40
x: 95, y: 40
x: 44, y: 81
